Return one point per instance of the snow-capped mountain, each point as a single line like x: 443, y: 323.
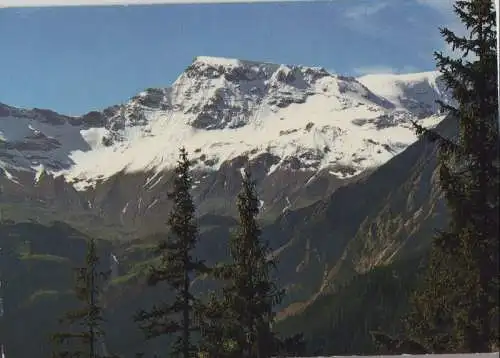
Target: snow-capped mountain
x: 295, y: 124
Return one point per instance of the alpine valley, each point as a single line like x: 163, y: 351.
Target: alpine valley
x: 348, y: 194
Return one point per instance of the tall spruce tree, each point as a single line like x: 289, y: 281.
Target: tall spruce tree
x: 249, y: 293
x: 456, y: 310
x: 85, y: 331
x: 178, y: 269
x: 218, y: 329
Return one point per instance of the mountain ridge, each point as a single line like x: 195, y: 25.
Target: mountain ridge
x: 324, y: 228
x: 302, y: 130
x: 286, y: 85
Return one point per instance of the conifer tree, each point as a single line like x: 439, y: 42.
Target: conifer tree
x: 217, y: 330
x: 293, y: 346
x: 390, y: 345
x: 249, y: 293
x: 177, y: 269
x: 456, y: 310
x: 85, y: 324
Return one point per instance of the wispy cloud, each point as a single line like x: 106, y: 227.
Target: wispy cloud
x: 381, y: 69
x: 364, y: 17
x: 359, y: 12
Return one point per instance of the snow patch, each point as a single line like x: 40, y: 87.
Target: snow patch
x: 218, y: 61
x: 114, y: 258
x: 152, y: 181
x: 311, y: 179
x: 94, y: 137
x: 306, y: 113
x: 39, y: 171
x: 10, y: 176
x: 152, y: 204
x: 288, y: 205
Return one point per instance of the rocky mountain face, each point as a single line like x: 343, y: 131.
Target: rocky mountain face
x: 303, y: 131
x: 364, y: 258
x: 361, y: 230
x: 388, y: 216
x: 345, y: 185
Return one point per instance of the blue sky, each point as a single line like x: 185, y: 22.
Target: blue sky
x: 76, y: 59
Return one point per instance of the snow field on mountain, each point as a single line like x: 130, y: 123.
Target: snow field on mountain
x: 328, y: 121
x: 322, y: 125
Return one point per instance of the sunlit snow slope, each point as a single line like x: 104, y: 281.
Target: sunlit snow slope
x: 222, y: 108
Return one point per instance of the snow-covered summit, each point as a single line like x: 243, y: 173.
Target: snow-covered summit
x: 220, y: 109
x: 410, y: 91
x: 229, y: 62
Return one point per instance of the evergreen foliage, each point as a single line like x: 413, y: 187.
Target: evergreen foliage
x: 293, y: 346
x: 84, y: 339
x: 340, y: 323
x: 218, y: 330
x: 389, y: 345
x: 240, y: 321
x: 178, y: 269
x: 456, y: 310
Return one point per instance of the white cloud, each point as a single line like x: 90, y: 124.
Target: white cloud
x: 363, y: 19
x: 361, y: 11
x: 370, y: 70
x: 31, y: 3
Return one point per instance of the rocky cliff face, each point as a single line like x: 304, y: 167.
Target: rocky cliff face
x: 303, y: 131
x: 343, y: 182
x: 389, y: 215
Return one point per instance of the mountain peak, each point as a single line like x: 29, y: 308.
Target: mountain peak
x: 230, y: 62
x: 217, y: 61
x: 221, y: 109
